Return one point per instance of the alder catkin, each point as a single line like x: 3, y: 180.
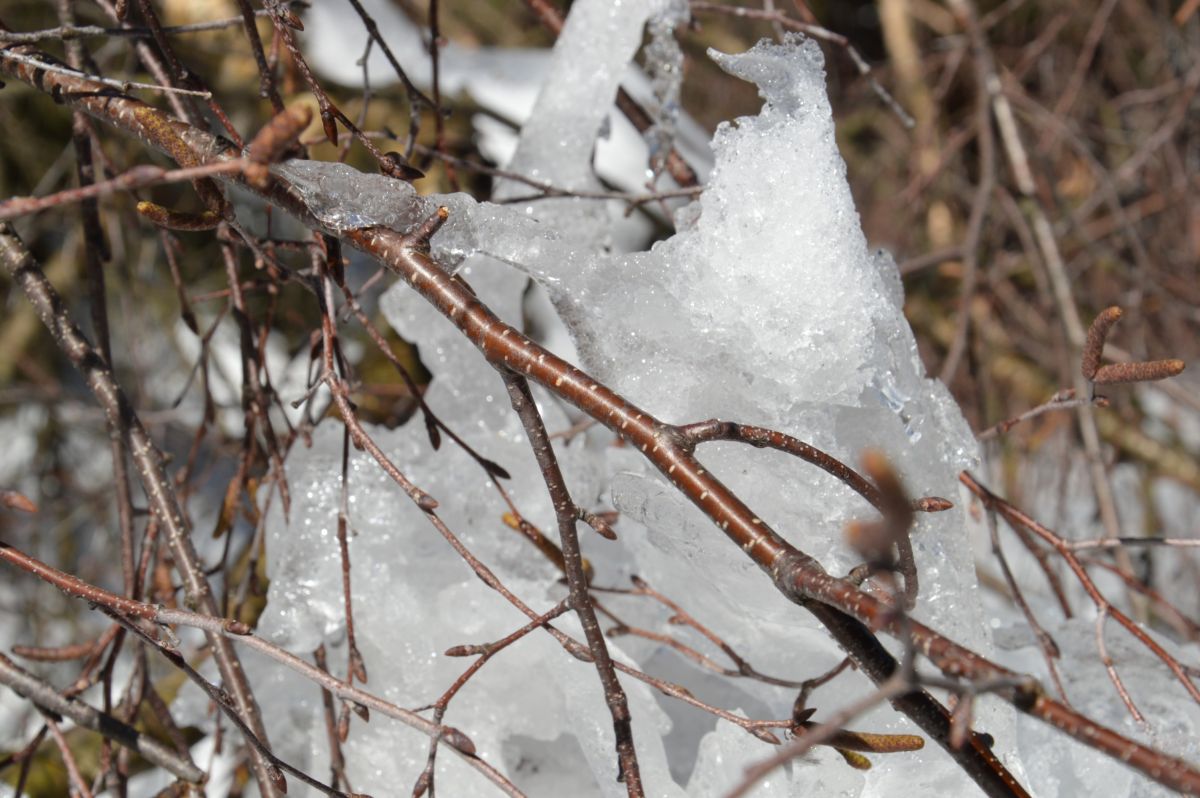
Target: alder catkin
x: 1093, y: 347
x: 179, y: 220
x: 1144, y: 371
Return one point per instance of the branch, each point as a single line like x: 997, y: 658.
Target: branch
x: 567, y: 514
x: 160, y: 491
x: 227, y: 630
x: 27, y: 685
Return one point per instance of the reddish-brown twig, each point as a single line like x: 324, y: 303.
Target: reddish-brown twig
x: 123, y: 609
x: 1046, y: 643
x: 1063, y: 400
x: 425, y: 781
x: 137, y: 177
x: 1016, y: 517
x: 567, y: 515
x: 681, y: 617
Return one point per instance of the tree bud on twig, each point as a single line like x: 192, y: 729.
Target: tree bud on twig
x: 393, y: 164
x: 273, y: 141
x: 11, y: 500
x: 1093, y: 347
x: 458, y: 740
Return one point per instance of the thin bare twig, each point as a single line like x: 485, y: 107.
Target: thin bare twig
x: 29, y: 686
x: 581, y: 601
x: 26, y: 273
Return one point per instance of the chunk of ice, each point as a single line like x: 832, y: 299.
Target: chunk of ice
x: 767, y: 307
x: 1058, y: 766
x: 344, y: 198
x: 664, y: 63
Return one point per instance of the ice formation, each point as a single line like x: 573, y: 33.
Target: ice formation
x: 1058, y: 767
x: 766, y: 307
x: 504, y: 81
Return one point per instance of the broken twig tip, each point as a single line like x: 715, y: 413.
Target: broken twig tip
x: 11, y: 500
x: 418, y: 237
x: 932, y: 504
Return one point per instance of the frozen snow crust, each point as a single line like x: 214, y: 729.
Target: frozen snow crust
x: 766, y: 307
